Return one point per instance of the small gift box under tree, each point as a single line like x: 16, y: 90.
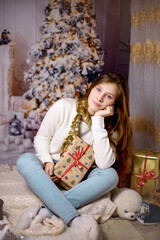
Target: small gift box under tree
x: 74, y: 163
x: 145, y: 173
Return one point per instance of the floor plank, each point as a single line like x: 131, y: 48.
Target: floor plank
x: 148, y: 232
x: 119, y: 229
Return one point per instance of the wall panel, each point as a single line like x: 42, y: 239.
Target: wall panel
x: 1, y: 14
x: 24, y: 33
x: 40, y: 5
x: 9, y: 17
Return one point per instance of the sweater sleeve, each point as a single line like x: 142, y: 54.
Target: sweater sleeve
x: 46, y: 132
x: 103, y: 152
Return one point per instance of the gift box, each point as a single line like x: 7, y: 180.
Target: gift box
x: 74, y: 163
x: 145, y: 173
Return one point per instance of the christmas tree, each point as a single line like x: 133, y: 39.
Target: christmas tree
x: 67, y: 56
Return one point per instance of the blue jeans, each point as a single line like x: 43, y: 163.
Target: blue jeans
x: 64, y: 205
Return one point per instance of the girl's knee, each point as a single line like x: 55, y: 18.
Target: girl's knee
x: 111, y: 174
x: 114, y: 175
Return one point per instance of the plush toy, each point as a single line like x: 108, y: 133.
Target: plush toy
x: 128, y: 203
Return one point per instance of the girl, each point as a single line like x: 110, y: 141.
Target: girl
x: 100, y: 118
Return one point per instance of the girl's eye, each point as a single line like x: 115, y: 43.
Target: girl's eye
x: 98, y: 89
x: 109, y: 96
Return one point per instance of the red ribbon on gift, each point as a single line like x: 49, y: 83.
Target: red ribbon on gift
x: 142, y: 178
x: 78, y: 154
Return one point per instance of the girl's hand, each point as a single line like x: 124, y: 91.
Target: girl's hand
x: 49, y: 169
x: 108, y: 111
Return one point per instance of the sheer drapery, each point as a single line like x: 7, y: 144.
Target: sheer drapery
x: 144, y: 73
x: 113, y: 28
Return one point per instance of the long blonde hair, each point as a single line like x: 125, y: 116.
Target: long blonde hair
x: 119, y: 123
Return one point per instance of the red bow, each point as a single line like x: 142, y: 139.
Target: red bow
x: 78, y: 154
x: 142, y: 178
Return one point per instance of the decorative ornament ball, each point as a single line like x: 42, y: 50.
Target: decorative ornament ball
x: 28, y: 61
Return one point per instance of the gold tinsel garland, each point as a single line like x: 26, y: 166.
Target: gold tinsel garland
x: 151, y: 14
x: 145, y: 52
x: 82, y: 115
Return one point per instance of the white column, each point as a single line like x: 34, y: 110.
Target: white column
x: 6, y: 74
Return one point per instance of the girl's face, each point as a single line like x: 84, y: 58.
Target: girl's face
x: 102, y: 96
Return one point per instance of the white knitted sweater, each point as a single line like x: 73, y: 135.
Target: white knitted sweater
x: 56, y: 126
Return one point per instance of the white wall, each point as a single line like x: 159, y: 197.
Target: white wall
x: 22, y: 18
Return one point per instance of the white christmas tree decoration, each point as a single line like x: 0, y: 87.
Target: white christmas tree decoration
x: 67, y: 56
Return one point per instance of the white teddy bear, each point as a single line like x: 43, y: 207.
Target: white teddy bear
x: 128, y: 203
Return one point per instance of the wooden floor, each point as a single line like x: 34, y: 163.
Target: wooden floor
x: 114, y: 228
x: 119, y: 229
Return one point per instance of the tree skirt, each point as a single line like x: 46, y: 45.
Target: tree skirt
x: 17, y: 196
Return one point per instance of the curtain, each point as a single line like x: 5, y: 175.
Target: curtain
x: 144, y: 73
x: 113, y: 28
x: 108, y: 29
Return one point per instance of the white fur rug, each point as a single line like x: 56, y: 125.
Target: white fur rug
x: 17, y: 197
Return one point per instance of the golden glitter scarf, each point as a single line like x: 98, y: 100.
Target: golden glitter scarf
x: 82, y: 115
